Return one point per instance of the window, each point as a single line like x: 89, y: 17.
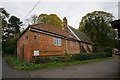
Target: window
x: 76, y: 44
x: 26, y: 37
x: 90, y: 46
x: 35, y: 37
x: 83, y: 44
x: 71, y: 43
x: 57, y: 41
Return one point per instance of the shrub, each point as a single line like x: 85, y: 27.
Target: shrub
x: 44, y: 59
x: 85, y: 56
x: 10, y: 49
x: 38, y: 60
x: 109, y: 51
x: 51, y: 59
x: 64, y: 58
x: 70, y: 58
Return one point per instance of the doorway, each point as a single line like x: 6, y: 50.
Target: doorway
x: 23, y: 52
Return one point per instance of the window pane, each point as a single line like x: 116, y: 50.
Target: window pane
x: 55, y: 41
x: 35, y: 37
x: 76, y: 44
x: 59, y: 42
x: 83, y: 44
x: 90, y: 46
x: 71, y: 43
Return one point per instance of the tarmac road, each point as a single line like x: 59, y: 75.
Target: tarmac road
x: 102, y: 69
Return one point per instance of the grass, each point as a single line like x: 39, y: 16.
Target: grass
x: 21, y: 65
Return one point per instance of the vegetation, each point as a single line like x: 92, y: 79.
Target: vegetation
x: 10, y: 31
x: 107, y: 52
x: 19, y: 64
x: 31, y: 20
x: 96, y: 25
x: 51, y: 19
x: 55, y: 61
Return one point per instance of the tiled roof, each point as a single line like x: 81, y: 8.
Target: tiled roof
x: 81, y: 35
x: 52, y: 29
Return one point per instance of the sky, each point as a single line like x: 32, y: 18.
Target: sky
x: 73, y: 10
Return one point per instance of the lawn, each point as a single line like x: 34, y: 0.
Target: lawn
x: 21, y: 65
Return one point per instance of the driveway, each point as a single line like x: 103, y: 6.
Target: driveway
x: 102, y: 69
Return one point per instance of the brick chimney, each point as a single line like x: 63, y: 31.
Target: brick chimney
x: 64, y: 24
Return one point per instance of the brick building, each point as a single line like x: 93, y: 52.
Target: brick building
x: 45, y: 40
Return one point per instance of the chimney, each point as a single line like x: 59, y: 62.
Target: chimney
x: 64, y: 24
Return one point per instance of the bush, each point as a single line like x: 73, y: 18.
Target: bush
x: 86, y: 56
x: 38, y: 60
x: 107, y: 52
x: 64, y: 58
x: 44, y: 59
x: 82, y: 56
x: 69, y: 58
x: 51, y: 59
x: 10, y: 49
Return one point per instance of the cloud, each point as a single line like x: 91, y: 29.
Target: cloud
x: 73, y: 10
x: 61, y: 0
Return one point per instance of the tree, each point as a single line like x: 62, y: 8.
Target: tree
x: 15, y: 23
x: 3, y: 16
x: 96, y: 26
x: 51, y: 19
x: 9, y: 26
x: 32, y: 19
x: 3, y: 23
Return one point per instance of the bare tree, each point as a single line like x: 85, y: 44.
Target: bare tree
x: 32, y: 19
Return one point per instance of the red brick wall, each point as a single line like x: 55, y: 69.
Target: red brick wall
x: 23, y: 41
x: 73, y: 49
x: 44, y: 44
x: 46, y: 47
x: 86, y: 47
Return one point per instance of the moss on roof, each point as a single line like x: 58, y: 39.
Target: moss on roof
x: 81, y: 35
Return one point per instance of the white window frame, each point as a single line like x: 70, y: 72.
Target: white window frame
x: 71, y: 43
x: 57, y: 41
x: 83, y: 44
x: 90, y: 46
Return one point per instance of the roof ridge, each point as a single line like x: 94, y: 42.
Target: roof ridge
x: 47, y: 24
x: 37, y: 24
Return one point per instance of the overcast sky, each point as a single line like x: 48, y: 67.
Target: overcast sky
x: 73, y: 10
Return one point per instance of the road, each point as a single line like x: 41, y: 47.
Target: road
x: 0, y: 65
x: 102, y: 69
x: 9, y: 72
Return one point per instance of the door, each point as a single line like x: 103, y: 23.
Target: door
x: 23, y: 52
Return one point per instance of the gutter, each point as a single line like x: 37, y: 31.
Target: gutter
x: 73, y: 33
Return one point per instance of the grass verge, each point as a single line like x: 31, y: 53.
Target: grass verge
x: 21, y: 65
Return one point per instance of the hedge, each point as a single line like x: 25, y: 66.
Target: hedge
x: 74, y: 57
